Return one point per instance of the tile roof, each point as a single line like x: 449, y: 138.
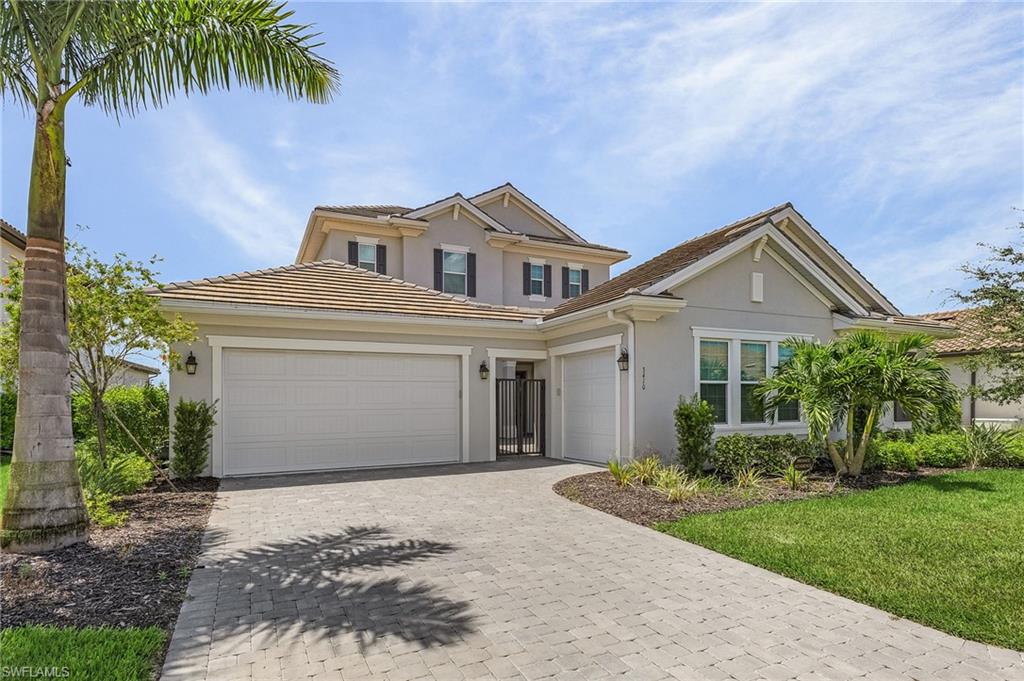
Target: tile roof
x: 974, y: 333
x: 367, y: 211
x: 664, y: 265
x: 335, y: 286
x: 12, y: 235
x: 571, y: 242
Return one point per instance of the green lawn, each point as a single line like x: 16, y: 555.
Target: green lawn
x: 90, y: 653
x: 947, y: 551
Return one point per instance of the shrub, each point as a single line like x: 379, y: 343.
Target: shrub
x: 695, y: 426
x: 942, y: 450
x: 896, y: 434
x: 645, y: 470
x: 98, y: 507
x: 766, y: 454
x: 679, y: 490
x: 193, y: 427
x: 1013, y: 456
x: 748, y: 478
x: 794, y: 477
x: 988, y: 445
x: 142, y: 409
x: 895, y: 455
x: 623, y: 475
x: 669, y: 476
x: 124, y: 474
x: 8, y: 405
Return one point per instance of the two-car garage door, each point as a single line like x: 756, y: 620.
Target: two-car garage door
x: 286, y: 411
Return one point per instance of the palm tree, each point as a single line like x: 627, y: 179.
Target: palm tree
x: 120, y: 56
x: 854, y: 379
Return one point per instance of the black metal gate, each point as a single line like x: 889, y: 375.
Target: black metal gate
x: 521, y: 422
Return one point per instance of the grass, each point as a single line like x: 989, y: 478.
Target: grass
x: 945, y: 551
x: 88, y: 653
x: 5, y: 474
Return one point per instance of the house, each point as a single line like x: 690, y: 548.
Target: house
x: 13, y: 248
x: 477, y: 327
x: 956, y: 352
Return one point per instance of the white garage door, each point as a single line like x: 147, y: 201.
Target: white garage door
x: 588, y: 399
x: 286, y: 411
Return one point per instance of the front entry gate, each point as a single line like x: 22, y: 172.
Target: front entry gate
x: 521, y: 421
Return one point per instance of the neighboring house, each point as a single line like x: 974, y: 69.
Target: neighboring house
x: 972, y: 340
x: 12, y: 246
x: 132, y: 373
x: 324, y: 364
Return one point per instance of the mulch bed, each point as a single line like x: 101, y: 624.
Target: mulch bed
x: 646, y: 506
x: 134, y: 575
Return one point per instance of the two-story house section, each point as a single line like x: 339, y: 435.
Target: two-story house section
x: 497, y: 247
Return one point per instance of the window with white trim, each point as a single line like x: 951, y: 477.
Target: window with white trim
x: 787, y: 412
x: 714, y: 377
x: 368, y: 256
x: 453, y: 270
x: 536, y: 279
x: 753, y: 369
x: 575, y: 282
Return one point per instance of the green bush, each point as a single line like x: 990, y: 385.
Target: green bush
x: 896, y: 435
x: 142, y: 409
x: 942, y: 450
x: 695, y: 426
x: 193, y: 427
x: 767, y: 454
x: 895, y: 455
x: 123, y: 474
x: 988, y: 445
x: 8, y: 405
x: 1013, y: 455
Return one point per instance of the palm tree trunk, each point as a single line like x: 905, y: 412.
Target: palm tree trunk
x: 44, y: 509
x: 857, y: 464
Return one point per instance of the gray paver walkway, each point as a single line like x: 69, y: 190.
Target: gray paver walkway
x: 482, y: 572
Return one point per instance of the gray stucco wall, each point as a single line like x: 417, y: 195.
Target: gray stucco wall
x: 200, y: 385
x: 336, y: 248
x: 720, y: 298
x: 983, y: 409
x: 517, y: 219
x: 419, y: 255
x: 513, y: 279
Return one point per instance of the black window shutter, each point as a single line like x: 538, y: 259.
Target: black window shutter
x: 438, y: 262
x: 382, y: 259
x: 547, y: 281
x: 526, y: 278
x: 471, y: 275
x: 565, y: 282
x: 585, y: 281
x: 353, y: 253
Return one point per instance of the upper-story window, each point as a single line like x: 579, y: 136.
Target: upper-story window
x: 368, y: 256
x: 536, y: 279
x: 575, y: 282
x: 454, y: 273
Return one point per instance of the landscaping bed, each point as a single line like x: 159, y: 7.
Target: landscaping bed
x: 129, y: 576
x: 646, y: 506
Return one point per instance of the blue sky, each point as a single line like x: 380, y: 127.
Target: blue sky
x: 896, y: 129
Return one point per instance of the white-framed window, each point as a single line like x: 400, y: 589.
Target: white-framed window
x: 536, y: 279
x: 368, y: 256
x: 729, y: 364
x: 453, y: 272
x: 575, y: 282
x: 714, y: 376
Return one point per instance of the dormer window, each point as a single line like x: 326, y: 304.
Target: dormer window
x: 536, y: 279
x: 368, y: 257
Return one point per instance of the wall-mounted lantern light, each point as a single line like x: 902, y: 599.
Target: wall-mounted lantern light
x: 191, y: 364
x: 485, y: 370
x: 623, y: 360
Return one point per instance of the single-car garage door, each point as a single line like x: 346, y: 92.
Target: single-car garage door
x: 286, y: 411
x: 588, y: 399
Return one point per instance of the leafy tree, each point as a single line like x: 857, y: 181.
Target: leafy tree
x: 998, y: 296
x: 111, y: 319
x: 850, y: 381
x: 119, y: 56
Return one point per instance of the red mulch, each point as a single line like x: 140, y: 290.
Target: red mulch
x: 134, y: 575
x: 646, y: 506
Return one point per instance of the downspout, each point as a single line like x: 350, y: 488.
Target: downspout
x: 974, y: 384
x: 630, y: 378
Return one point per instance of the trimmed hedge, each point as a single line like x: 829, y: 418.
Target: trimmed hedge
x: 941, y: 450
x: 895, y: 455
x: 770, y: 454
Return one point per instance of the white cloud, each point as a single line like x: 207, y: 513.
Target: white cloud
x: 215, y: 179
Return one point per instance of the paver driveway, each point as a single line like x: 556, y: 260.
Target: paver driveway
x: 481, y: 571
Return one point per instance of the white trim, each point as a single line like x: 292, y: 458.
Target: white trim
x: 586, y: 346
x: 824, y: 279
x: 218, y: 343
x: 538, y: 261
x: 513, y: 353
x: 368, y: 240
x: 455, y: 248
x: 757, y: 287
x: 575, y: 266
x: 642, y: 302
x: 458, y: 199
x: 746, y: 334
x: 455, y: 213
x: 534, y: 298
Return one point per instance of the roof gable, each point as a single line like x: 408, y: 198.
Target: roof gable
x: 458, y: 202
x: 508, y: 194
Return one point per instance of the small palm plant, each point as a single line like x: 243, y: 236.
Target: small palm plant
x: 748, y: 478
x: 794, y: 477
x: 623, y: 475
x: 645, y: 470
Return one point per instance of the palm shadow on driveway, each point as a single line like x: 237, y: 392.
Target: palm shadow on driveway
x: 331, y: 589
